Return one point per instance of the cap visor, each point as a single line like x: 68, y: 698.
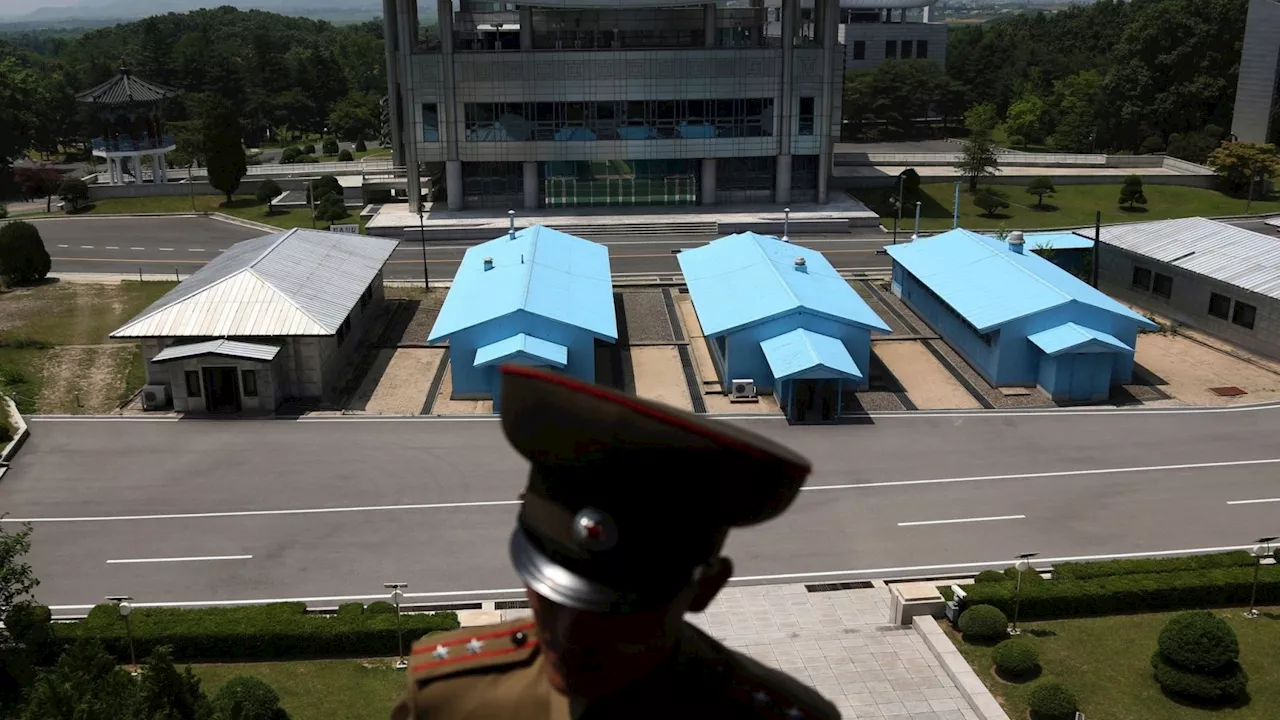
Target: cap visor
x: 553, y: 582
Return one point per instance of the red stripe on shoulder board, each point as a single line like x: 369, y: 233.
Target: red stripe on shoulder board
x: 426, y: 648
x: 478, y: 656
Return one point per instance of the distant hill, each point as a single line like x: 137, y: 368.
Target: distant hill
x: 99, y: 13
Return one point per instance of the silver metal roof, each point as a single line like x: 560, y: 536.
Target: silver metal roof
x: 1230, y: 254
x: 226, y: 348
x: 295, y: 282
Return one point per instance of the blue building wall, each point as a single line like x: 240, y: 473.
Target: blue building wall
x: 744, y: 358
x: 470, y: 382
x: 958, y: 333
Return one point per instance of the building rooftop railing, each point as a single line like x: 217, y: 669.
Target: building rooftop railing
x: 127, y: 144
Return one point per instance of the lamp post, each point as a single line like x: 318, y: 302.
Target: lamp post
x: 897, y: 219
x: 311, y: 198
x: 915, y: 234
x: 1023, y: 564
x: 786, y: 224
x: 125, y: 608
x: 422, y: 237
x: 511, y: 224
x: 1261, y: 550
x: 397, y: 593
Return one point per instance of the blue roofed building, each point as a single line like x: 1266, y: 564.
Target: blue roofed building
x: 1017, y: 318
x: 780, y: 316
x: 538, y: 297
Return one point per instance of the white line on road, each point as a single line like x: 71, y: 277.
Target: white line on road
x: 962, y: 520
x: 134, y: 248
x: 179, y: 559
x: 320, y: 599
x: 86, y: 247
x: 166, y: 249
x: 195, y: 249
x: 112, y: 247
x: 1253, y: 502
x: 64, y: 246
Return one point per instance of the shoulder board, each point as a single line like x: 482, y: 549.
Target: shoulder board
x: 469, y: 649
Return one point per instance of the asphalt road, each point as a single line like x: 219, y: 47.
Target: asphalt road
x: 332, y: 508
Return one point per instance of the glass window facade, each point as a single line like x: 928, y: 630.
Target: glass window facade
x: 804, y: 119
x: 745, y: 173
x: 430, y: 123
x: 804, y: 172
x: 859, y: 49
x: 623, y: 120
x: 619, y: 182
x: 492, y: 184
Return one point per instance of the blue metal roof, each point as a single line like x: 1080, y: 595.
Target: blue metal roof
x: 541, y: 271
x: 802, y: 354
x: 746, y: 278
x: 1073, y: 338
x: 990, y: 285
x: 523, y: 347
x: 1057, y: 241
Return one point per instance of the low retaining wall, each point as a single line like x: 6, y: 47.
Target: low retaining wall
x: 1199, y: 181
x: 975, y: 693
x: 20, y: 432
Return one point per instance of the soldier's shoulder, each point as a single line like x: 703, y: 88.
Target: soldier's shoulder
x: 759, y: 691
x: 470, y: 650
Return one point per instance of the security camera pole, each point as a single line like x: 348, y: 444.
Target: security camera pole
x: 1023, y: 564
x: 397, y: 592
x: 1261, y: 550
x: 125, y: 607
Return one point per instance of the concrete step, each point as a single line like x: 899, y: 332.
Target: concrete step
x: 652, y: 229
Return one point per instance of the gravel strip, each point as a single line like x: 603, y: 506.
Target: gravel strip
x: 646, y: 317
x: 875, y: 401
x: 1035, y: 399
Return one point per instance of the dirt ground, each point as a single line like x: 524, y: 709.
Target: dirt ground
x: 720, y: 404
x: 446, y: 406
x: 85, y: 378
x: 1189, y: 369
x: 703, y: 367
x: 928, y: 384
x: 660, y: 376
x: 398, y: 382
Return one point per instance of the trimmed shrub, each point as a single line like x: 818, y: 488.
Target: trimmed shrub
x: 360, y: 146
x: 1222, y: 685
x: 1029, y: 576
x: 73, y: 192
x: 259, y: 632
x: 1017, y: 140
x: 345, y: 155
x: 290, y: 154
x: 309, y: 149
x: 23, y: 258
x: 268, y: 190
x: 245, y: 697
x: 1144, y: 566
x: 330, y: 146
x: 1052, y: 701
x: 350, y: 610
x: 1199, y: 641
x: 989, y: 576
x: 306, y: 158
x: 1016, y: 658
x: 322, y: 186
x: 984, y: 622
x: 331, y: 208
x: 380, y: 607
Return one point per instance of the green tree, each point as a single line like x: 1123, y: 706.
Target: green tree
x: 18, y: 89
x: 331, y: 208
x: 73, y: 192
x: 1131, y: 192
x: 39, y: 180
x: 990, y: 201
x: 360, y: 146
x: 245, y: 697
x: 17, y: 580
x: 222, y: 148
x: 329, y: 146
x: 1025, y: 118
x: 164, y: 693
x: 978, y: 158
x: 1041, y: 186
x: 344, y: 155
x: 1076, y: 101
x: 982, y: 118
x: 353, y: 116
x: 23, y: 259
x: 322, y: 187
x: 86, y: 684
x: 1240, y: 165
x: 268, y: 190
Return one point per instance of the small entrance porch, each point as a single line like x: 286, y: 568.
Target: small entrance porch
x: 219, y: 376
x: 1078, y: 362
x: 810, y: 371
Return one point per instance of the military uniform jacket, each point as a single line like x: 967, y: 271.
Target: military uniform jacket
x: 496, y: 672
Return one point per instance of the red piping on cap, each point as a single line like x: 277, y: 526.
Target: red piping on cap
x: 565, y: 381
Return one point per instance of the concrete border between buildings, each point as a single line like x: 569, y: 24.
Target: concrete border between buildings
x: 980, y: 699
x: 20, y: 432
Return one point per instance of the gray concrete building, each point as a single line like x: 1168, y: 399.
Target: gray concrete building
x: 1259, y: 78
x: 574, y: 103
x: 873, y: 31
x: 1205, y: 274
x: 271, y: 319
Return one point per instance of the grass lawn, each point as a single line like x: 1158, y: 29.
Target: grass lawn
x: 1106, y: 662
x: 55, y: 356
x: 241, y: 207
x: 320, y: 689
x: 357, y: 155
x: 1001, y: 139
x: 1072, y: 205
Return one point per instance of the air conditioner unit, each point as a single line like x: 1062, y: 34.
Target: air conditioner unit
x: 743, y: 390
x: 155, y: 397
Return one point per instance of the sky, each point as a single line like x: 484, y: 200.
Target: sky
x: 22, y: 7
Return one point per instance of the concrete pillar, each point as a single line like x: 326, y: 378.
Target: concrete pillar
x: 531, y: 194
x: 453, y: 183
x: 413, y: 173
x: 709, y: 24
x: 927, y: 8
x: 826, y: 32
x: 708, y: 190
x: 819, y: 12
x: 783, y: 108
x: 782, y: 183
x: 526, y: 27
x: 449, y: 131
x: 391, y: 44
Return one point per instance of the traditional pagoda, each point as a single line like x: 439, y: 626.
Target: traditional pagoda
x: 130, y: 110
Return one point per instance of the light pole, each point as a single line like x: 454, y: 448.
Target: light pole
x: 422, y: 237
x: 311, y: 198
x: 1023, y: 564
x: 898, y: 201
x: 511, y: 224
x: 915, y: 235
x: 1253, y: 180
x: 786, y: 224
x: 1261, y: 550
x: 397, y: 592
x: 125, y: 608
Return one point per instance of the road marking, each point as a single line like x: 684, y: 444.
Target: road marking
x: 1253, y: 502
x: 963, y: 567
x: 112, y: 247
x: 62, y: 246
x: 179, y: 559
x: 165, y: 249
x: 195, y: 249
x: 86, y: 247
x: 134, y: 248
x: 135, y: 261
x: 962, y: 520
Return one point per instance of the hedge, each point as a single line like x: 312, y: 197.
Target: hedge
x: 1131, y: 593
x: 258, y: 632
x: 1148, y: 566
x: 1226, y: 684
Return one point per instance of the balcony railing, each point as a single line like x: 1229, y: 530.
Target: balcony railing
x: 126, y: 144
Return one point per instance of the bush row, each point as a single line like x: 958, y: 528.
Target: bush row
x: 1130, y: 593
x: 1147, y: 566
x: 280, y: 630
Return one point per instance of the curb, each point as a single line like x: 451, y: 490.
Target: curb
x: 1067, y: 228
x: 19, y: 437
x: 243, y: 223
x: 980, y: 699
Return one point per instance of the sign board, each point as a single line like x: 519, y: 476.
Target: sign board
x: 350, y: 229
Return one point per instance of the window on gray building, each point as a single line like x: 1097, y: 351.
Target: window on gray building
x: 430, y: 123
x: 1162, y: 286
x: 1219, y: 306
x: 1141, y: 278
x: 1244, y: 315
x: 805, y: 120
x: 249, y: 383
x: 906, y: 49
x: 922, y: 49
x: 193, y: 383
x: 891, y: 48
x: 859, y: 49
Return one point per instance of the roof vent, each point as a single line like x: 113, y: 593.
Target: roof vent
x: 1016, y: 241
x: 800, y: 265
x: 488, y: 263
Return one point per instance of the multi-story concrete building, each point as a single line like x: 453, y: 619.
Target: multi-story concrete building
x: 1259, y: 73
x: 876, y: 30
x: 564, y: 103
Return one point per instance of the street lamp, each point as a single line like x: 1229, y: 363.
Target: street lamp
x: 422, y: 237
x: 397, y: 592
x: 1261, y: 550
x: 915, y: 235
x: 786, y: 224
x: 1023, y: 564
x: 125, y: 608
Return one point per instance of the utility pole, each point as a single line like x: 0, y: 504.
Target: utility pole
x: 1097, y: 248
x: 422, y: 236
